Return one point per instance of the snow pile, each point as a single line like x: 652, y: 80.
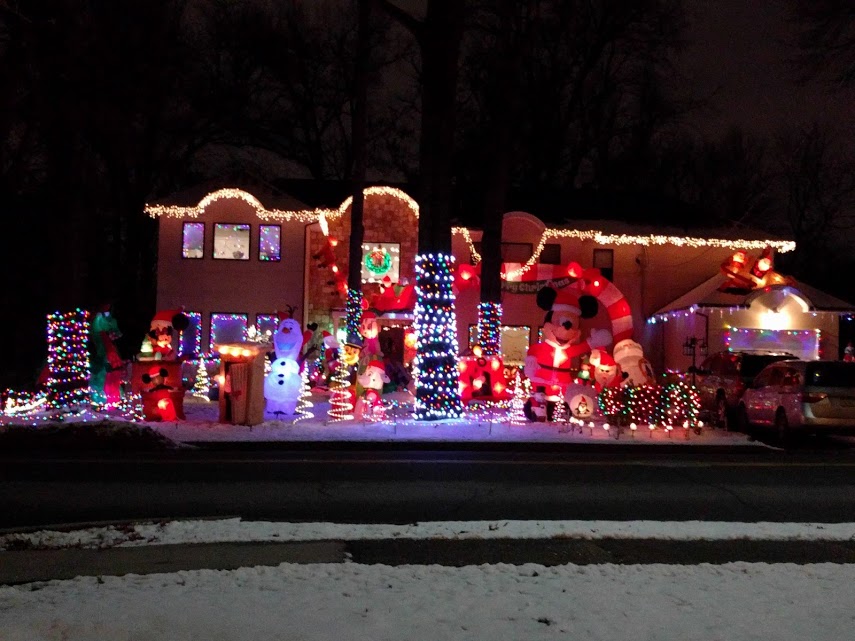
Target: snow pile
x: 326, y: 602
x: 237, y: 531
x: 102, y: 435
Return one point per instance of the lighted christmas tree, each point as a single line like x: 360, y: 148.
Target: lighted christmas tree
x: 131, y: 407
x: 435, y: 366
x: 517, y: 415
x: 559, y: 414
x: 340, y: 405
x: 202, y: 386
x: 68, y: 358
x: 489, y: 328
x: 303, y: 403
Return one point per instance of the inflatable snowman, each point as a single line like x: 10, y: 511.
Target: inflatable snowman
x: 282, y: 384
x: 288, y: 339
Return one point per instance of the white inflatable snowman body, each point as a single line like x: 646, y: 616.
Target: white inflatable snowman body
x: 282, y: 386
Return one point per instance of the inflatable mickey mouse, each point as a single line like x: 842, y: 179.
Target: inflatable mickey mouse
x: 163, y: 331
x: 549, y: 364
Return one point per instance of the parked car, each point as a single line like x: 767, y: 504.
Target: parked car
x: 801, y: 396
x: 724, y: 376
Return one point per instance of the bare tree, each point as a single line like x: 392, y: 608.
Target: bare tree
x: 825, y: 40
x: 817, y: 185
x: 438, y: 36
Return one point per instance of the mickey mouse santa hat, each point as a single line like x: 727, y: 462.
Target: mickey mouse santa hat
x: 566, y: 300
x: 170, y: 318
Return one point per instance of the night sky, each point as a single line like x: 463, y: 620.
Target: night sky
x: 737, y: 47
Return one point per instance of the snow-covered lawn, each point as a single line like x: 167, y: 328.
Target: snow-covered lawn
x: 336, y: 602
x: 201, y: 426
x: 236, y: 531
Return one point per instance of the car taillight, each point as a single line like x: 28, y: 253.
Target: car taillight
x: 815, y: 397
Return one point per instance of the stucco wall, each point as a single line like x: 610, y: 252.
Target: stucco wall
x: 209, y: 285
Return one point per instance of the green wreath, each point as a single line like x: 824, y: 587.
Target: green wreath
x: 378, y: 261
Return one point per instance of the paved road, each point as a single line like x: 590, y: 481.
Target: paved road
x: 395, y: 485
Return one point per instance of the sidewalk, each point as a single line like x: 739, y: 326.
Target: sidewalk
x: 27, y: 566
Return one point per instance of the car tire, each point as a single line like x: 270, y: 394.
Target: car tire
x: 782, y: 429
x: 722, y: 419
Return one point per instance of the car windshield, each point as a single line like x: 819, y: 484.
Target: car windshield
x: 831, y: 374
x: 753, y: 363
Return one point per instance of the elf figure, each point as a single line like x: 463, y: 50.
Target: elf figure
x: 607, y: 373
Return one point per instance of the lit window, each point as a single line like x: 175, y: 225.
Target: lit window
x: 269, y: 242
x: 228, y: 328
x: 266, y: 323
x: 231, y: 242
x: 380, y: 260
x: 190, y: 339
x: 193, y: 240
x: 515, y: 342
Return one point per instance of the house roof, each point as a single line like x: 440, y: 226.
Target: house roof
x: 267, y: 194
x: 708, y: 295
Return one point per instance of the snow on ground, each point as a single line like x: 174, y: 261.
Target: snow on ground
x: 201, y: 425
x: 326, y: 602
x: 235, y: 530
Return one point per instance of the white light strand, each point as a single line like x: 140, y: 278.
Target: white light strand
x: 602, y: 238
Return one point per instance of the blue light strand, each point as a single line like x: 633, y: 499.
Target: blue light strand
x: 489, y: 328
x: 435, y: 367
x: 353, y: 310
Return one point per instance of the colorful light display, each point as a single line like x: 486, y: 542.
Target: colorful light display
x: 68, y: 358
x: 202, y: 385
x: 517, y: 414
x: 353, y: 310
x: 809, y: 345
x: 193, y: 240
x: 190, y: 338
x: 341, y: 407
x: 304, y: 405
x: 667, y: 406
x: 489, y: 328
x: 435, y: 367
x: 269, y: 242
x: 228, y: 328
x: 602, y: 238
x: 560, y: 414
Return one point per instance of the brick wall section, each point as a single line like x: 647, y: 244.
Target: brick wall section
x: 387, y: 219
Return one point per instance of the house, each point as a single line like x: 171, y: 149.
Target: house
x: 233, y: 256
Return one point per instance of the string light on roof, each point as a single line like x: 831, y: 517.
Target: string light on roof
x: 277, y: 215
x: 602, y: 238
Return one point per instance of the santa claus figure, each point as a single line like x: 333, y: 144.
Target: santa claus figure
x: 607, y: 373
x: 163, y: 333
x: 549, y: 364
